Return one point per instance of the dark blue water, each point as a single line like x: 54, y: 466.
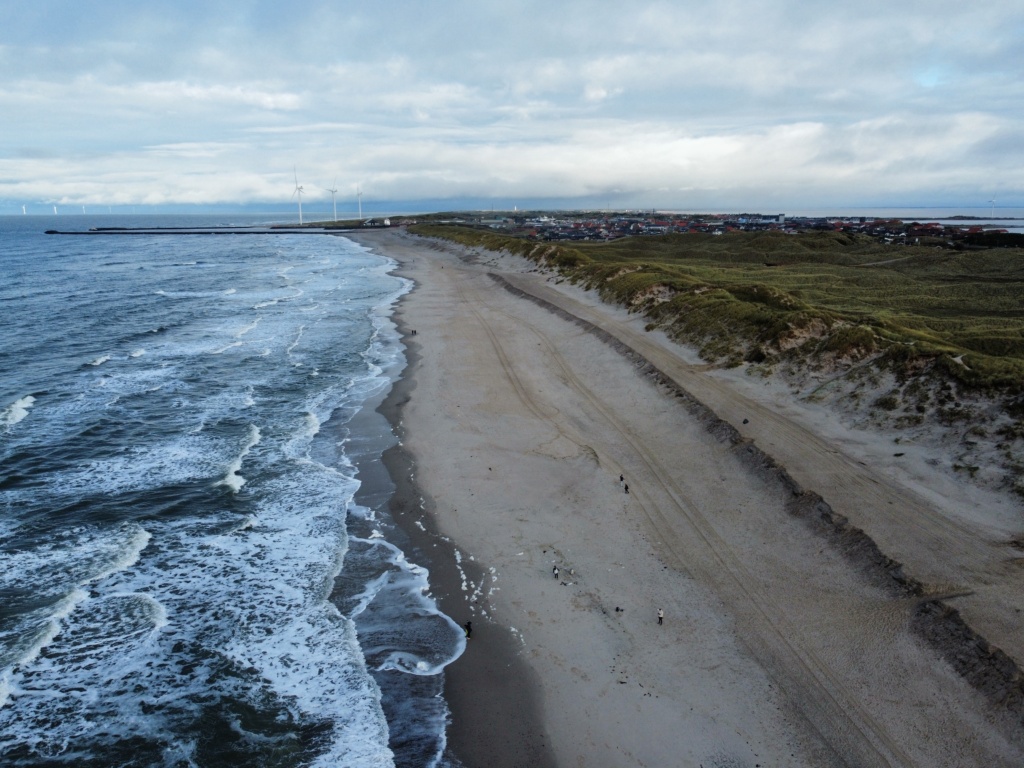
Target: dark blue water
x: 177, y: 474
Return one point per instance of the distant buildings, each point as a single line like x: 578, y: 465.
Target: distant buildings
x: 603, y: 227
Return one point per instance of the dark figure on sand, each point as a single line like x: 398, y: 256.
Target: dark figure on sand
x: 554, y: 571
x: 627, y: 487
x: 661, y: 616
x: 468, y: 626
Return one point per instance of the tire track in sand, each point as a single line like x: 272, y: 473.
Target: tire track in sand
x: 930, y: 538
x: 836, y: 714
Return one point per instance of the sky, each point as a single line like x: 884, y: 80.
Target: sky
x: 731, y: 104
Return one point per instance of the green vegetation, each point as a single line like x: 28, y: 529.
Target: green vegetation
x: 768, y: 297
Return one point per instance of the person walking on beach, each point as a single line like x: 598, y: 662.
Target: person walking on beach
x: 661, y: 616
x: 627, y: 487
x: 468, y: 627
x: 621, y: 478
x: 554, y: 571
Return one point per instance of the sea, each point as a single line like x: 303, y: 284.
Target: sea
x: 192, y: 572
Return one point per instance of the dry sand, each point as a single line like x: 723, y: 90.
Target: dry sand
x: 783, y: 644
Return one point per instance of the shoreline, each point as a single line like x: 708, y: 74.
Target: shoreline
x: 740, y: 673
x: 493, y: 698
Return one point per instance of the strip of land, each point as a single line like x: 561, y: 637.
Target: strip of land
x: 799, y: 629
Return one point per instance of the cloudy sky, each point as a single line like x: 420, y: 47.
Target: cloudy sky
x: 675, y: 104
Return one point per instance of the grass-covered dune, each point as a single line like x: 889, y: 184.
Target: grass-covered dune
x: 769, y: 297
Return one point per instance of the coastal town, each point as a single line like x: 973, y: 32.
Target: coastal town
x: 963, y: 232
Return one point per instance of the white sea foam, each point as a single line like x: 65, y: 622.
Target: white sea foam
x: 100, y: 360
x: 249, y: 522
x: 232, y: 479
x: 248, y: 328
x: 49, y: 570
x: 278, y: 300
x: 298, y: 446
x: 17, y: 410
x: 61, y: 611
x: 137, y: 353
x: 295, y: 343
x: 431, y: 640
x: 134, y: 381
x: 255, y: 595
x: 189, y: 294
x: 195, y: 456
x: 158, y: 612
x: 225, y: 348
x: 128, y: 556
x: 304, y: 650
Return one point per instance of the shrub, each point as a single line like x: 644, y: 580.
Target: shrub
x: 888, y: 402
x: 851, y: 341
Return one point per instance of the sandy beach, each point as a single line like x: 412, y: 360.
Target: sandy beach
x: 807, y: 586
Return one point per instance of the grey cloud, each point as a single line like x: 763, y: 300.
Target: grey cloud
x: 562, y: 100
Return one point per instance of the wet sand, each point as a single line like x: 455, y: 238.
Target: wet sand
x: 779, y: 646
x: 494, y: 692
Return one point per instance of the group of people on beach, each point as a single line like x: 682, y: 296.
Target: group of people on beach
x: 556, y: 572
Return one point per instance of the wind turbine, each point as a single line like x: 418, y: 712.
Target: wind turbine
x: 359, y: 197
x: 334, y: 190
x: 993, y: 203
x: 23, y: 211
x: 297, y: 192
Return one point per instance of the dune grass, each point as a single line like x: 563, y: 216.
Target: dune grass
x: 763, y: 296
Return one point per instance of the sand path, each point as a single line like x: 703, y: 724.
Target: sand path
x: 775, y: 651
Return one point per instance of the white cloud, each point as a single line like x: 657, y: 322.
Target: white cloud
x: 249, y: 95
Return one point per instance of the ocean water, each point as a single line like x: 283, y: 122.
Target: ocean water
x: 186, y: 577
